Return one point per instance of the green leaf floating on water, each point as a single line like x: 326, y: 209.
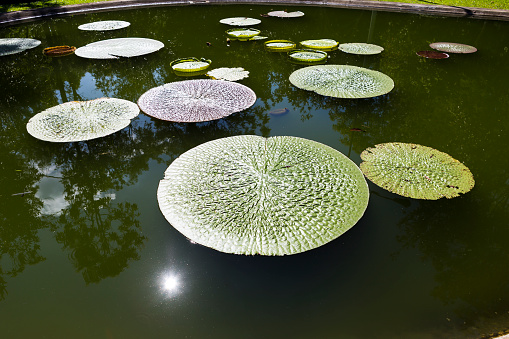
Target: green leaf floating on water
x: 10, y: 46
x: 453, y: 47
x: 321, y: 44
x: 416, y: 171
x: 228, y: 74
x: 270, y: 196
x: 119, y: 47
x: 107, y: 25
x: 342, y: 81
x: 82, y: 120
x: 240, y: 21
x: 361, y: 48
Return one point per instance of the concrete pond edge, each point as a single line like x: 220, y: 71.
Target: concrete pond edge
x: 12, y: 18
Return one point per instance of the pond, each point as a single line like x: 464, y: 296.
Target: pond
x: 86, y: 252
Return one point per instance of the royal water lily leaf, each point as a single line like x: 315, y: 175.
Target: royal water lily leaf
x: 259, y: 37
x: 270, y: 196
x: 191, y: 64
x: 416, y: 171
x: 342, y: 81
x: 240, y: 21
x: 82, y: 120
x: 279, y: 45
x: 229, y: 74
x: 285, y: 14
x: 452, y: 47
x: 59, y: 51
x: 321, y: 44
x: 307, y: 55
x: 433, y: 54
x: 196, y: 100
x: 119, y: 47
x: 361, y: 48
x: 107, y: 25
x: 242, y: 33
x: 10, y: 46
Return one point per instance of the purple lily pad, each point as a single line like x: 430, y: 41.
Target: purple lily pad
x: 433, y: 54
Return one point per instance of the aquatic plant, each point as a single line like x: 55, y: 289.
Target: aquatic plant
x: 82, y: 120
x: 433, y: 54
x: 342, y: 81
x: 107, y: 25
x: 242, y: 34
x: 416, y: 171
x: 196, y: 100
x: 279, y: 45
x: 320, y: 44
x: 10, y: 46
x: 240, y: 21
x: 119, y: 47
x: 452, y: 47
x: 307, y: 55
x: 285, y: 14
x: 191, y: 64
x: 271, y: 196
x: 360, y: 48
x: 229, y: 74
x: 58, y: 51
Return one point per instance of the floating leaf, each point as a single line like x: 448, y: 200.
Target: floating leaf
x: 433, y: 54
x: 258, y: 37
x: 270, y: 196
x: 10, y: 46
x: 107, y: 25
x: 82, y: 120
x: 342, y: 81
x: 229, y: 74
x: 119, y: 47
x: 279, y: 45
x: 361, y: 48
x: 242, y: 34
x: 307, y: 55
x: 452, y: 47
x: 190, y: 64
x: 320, y: 44
x: 196, y: 100
x: 285, y: 14
x: 416, y: 171
x: 59, y: 51
x: 240, y: 21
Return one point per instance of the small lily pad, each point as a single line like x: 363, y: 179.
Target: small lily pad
x: 270, y: 196
x: 307, y: 55
x: 240, y: 21
x: 342, y: 81
x: 228, y: 74
x: 196, y: 100
x: 82, y: 120
x: 10, y: 46
x: 59, y: 51
x: 285, y: 14
x: 361, y: 48
x: 416, y: 171
x: 119, y: 47
x: 320, y: 44
x: 107, y: 25
x: 452, y: 47
x: 433, y: 54
x: 242, y: 34
x: 279, y: 45
x: 190, y: 64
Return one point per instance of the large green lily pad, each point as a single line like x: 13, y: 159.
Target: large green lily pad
x: 342, y: 81
x: 270, y: 196
x: 10, y: 46
x: 416, y: 171
x: 361, y: 48
x: 453, y: 47
x: 106, y: 25
x: 119, y: 47
x: 82, y: 120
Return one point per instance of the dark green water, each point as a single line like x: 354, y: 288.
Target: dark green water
x: 85, y: 251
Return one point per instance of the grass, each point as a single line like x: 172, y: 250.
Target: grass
x: 18, y: 5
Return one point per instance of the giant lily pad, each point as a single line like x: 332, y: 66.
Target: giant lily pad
x: 342, y: 81
x: 285, y: 14
x: 452, y: 47
x: 240, y: 21
x: 191, y: 64
x: 270, y: 196
x: 228, y: 74
x: 416, y: 171
x: 321, y: 44
x: 10, y: 46
x: 361, y: 48
x: 82, y: 120
x: 279, y: 45
x: 307, y: 55
x: 58, y: 51
x: 119, y: 47
x: 196, y: 100
x: 243, y: 34
x: 432, y: 54
x: 107, y: 25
